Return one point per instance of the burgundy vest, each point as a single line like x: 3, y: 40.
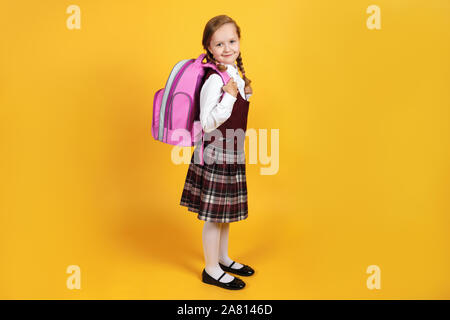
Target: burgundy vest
x: 237, y: 120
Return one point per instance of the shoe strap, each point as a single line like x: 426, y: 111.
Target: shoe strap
x: 221, y: 276
x: 231, y: 264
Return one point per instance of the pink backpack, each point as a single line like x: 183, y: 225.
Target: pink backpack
x: 176, y: 107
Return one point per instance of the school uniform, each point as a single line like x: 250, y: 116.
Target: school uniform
x: 217, y: 190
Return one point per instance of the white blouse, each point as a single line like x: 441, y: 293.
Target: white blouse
x: 212, y: 112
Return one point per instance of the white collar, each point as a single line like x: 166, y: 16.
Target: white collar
x: 232, y: 68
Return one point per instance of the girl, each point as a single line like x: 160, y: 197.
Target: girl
x: 217, y: 190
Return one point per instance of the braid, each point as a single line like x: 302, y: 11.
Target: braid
x: 210, y: 58
x: 241, y: 67
x: 221, y: 67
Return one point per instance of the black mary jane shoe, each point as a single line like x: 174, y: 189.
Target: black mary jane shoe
x: 244, y: 271
x: 235, y: 284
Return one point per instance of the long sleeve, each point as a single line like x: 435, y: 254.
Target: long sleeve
x: 212, y: 111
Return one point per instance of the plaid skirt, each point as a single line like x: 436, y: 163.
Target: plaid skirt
x: 216, y: 190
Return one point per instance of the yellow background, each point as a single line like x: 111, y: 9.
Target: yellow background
x: 363, y: 117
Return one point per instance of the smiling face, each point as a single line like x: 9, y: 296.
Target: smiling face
x: 224, y: 44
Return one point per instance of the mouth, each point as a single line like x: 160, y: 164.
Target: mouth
x: 227, y: 55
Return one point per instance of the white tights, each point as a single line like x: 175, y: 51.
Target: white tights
x: 215, y: 247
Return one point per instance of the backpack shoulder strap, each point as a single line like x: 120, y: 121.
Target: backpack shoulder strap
x: 211, y: 68
x: 223, y: 75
